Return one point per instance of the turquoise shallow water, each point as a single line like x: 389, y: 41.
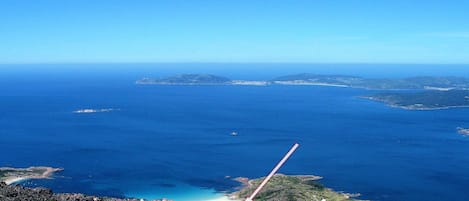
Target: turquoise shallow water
x: 180, y: 191
x: 174, y: 141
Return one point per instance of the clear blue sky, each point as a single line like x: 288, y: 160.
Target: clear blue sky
x: 330, y: 31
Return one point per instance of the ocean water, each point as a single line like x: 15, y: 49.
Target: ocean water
x: 175, y: 142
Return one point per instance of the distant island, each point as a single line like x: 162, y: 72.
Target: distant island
x: 413, y: 93
x: 187, y: 79
x: 283, y: 187
x: 424, y: 82
x: 198, y: 79
x: 13, y: 175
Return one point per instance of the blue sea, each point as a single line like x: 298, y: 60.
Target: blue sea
x: 175, y: 142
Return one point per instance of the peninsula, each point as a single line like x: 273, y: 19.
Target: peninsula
x: 15, y: 175
x: 283, y: 187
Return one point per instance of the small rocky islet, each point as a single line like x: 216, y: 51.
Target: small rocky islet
x: 463, y: 131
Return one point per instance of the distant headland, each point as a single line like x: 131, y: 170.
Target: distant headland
x: 413, y: 93
x: 424, y: 100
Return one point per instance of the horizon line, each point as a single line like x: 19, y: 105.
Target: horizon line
x: 228, y: 62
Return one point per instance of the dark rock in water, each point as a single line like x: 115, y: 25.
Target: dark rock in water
x: 20, y: 193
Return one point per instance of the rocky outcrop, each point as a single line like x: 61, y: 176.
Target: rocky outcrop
x: 20, y: 193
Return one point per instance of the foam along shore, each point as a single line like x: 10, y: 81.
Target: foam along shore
x: 15, y: 175
x: 80, y: 111
x: 224, y: 198
x: 176, y: 191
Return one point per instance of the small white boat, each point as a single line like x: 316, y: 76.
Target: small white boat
x: 234, y: 133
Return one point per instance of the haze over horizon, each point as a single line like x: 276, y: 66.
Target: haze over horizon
x: 338, y: 31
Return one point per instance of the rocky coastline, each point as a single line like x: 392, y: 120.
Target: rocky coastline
x: 20, y: 193
x: 280, y: 187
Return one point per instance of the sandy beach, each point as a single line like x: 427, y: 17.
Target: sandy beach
x: 13, y: 180
x: 224, y: 198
